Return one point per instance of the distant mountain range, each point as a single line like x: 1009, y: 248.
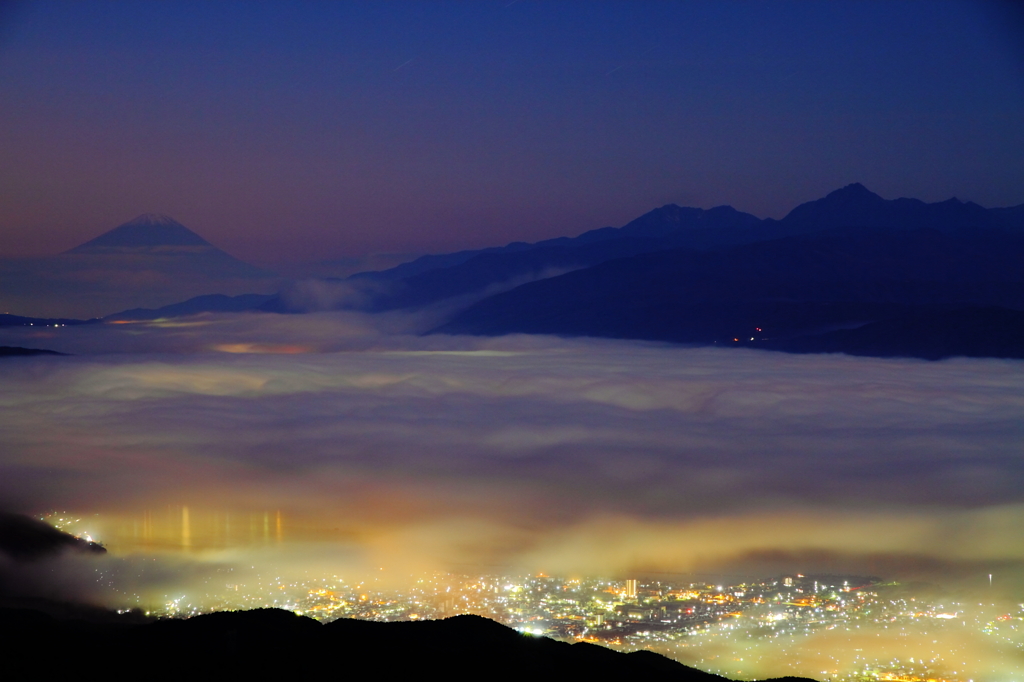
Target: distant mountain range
x: 210, y: 303
x: 19, y: 352
x: 847, y: 273
x: 776, y: 291
x: 850, y: 272
x: 148, y: 262
x: 433, y: 278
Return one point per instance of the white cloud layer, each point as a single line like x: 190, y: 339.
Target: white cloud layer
x: 561, y: 455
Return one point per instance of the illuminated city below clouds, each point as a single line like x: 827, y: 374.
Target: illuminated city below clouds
x: 229, y: 480
x: 833, y: 626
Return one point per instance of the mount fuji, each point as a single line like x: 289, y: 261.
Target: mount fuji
x: 148, y: 262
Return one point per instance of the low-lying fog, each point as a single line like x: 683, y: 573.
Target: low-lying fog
x: 341, y: 441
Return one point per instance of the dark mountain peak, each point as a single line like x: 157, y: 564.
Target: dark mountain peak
x: 666, y: 212
x: 857, y: 206
x: 852, y: 192
x: 850, y: 202
x: 146, y: 230
x: 724, y: 209
x: 671, y: 218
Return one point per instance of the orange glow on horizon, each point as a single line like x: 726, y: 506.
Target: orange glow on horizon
x: 270, y: 348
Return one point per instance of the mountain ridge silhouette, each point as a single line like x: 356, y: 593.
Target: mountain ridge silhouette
x: 272, y: 641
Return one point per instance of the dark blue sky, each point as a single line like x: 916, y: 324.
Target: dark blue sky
x: 290, y: 131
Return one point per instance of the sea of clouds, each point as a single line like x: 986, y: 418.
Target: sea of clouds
x: 563, y: 455
x: 342, y: 443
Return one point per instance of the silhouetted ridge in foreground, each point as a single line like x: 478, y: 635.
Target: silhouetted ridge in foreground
x: 24, y: 538
x: 269, y: 641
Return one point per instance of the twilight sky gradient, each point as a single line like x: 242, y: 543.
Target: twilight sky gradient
x: 299, y: 131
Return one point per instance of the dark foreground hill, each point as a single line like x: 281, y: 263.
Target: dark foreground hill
x: 24, y: 538
x: 274, y: 642
x: 43, y: 638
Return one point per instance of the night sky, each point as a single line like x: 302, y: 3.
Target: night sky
x: 285, y: 132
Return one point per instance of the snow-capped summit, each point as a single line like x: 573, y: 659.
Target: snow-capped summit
x: 152, y: 219
x: 146, y: 230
